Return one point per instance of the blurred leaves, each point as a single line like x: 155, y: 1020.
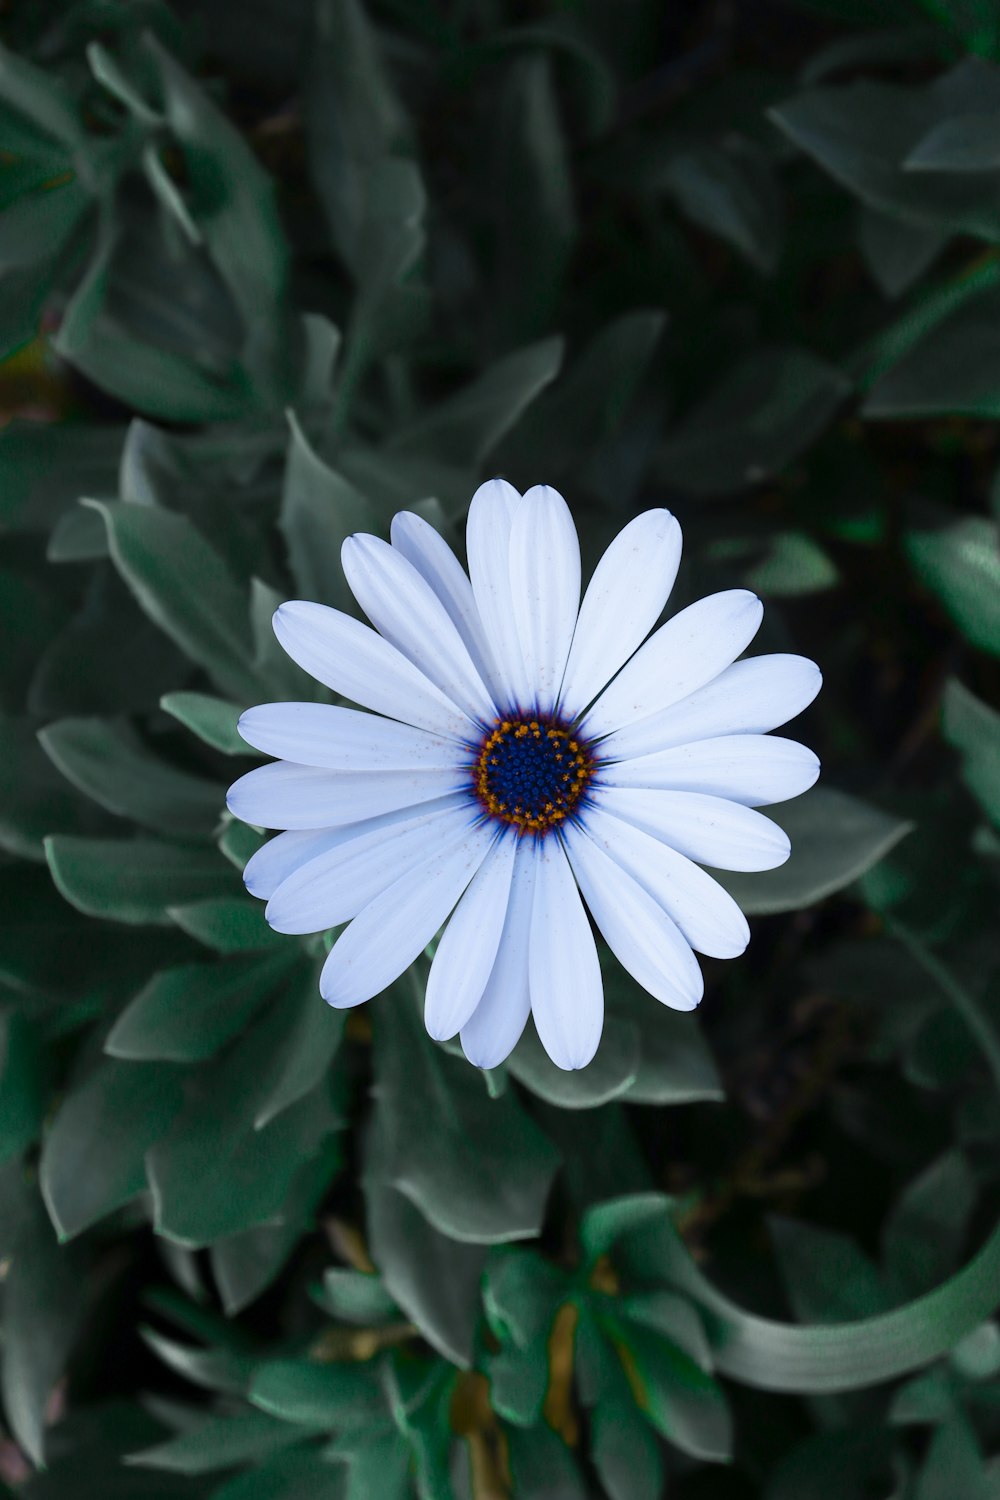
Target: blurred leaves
x: 265, y: 280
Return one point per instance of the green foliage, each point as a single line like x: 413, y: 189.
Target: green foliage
x: 267, y: 276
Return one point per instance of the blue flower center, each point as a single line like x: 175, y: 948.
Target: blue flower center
x: 531, y: 773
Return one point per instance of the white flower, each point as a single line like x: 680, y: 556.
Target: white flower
x: 522, y: 750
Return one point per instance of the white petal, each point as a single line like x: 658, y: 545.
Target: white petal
x: 344, y: 739
x: 706, y: 914
x: 684, y: 654
x: 750, y: 697
x: 567, y: 997
x: 487, y: 536
x: 280, y: 856
x: 406, y: 611
x: 639, y: 933
x: 624, y: 600
x: 468, y: 946
x: 392, y: 930
x: 754, y: 769
x: 495, y: 1027
x: 284, y: 795
x: 710, y: 830
x: 336, y: 883
x: 434, y: 560
x: 545, y: 588
x: 356, y: 662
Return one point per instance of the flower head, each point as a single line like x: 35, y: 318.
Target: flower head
x: 524, y: 753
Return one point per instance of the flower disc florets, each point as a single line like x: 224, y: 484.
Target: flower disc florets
x: 531, y: 773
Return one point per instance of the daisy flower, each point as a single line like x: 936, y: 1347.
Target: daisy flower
x: 525, y: 757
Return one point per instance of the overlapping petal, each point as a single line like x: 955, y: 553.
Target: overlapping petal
x: 344, y: 739
x: 491, y: 517
x: 706, y: 914
x: 685, y: 653
x: 624, y: 600
x: 646, y: 942
x: 750, y: 697
x: 437, y: 564
x: 710, y: 830
x: 388, y: 934
x: 495, y: 1026
x: 286, y: 795
x: 356, y: 662
x: 465, y: 955
x: 755, y: 769
x: 564, y: 975
x: 334, y: 886
x: 545, y: 588
x: 406, y: 612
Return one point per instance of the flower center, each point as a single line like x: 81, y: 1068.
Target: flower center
x: 531, y: 773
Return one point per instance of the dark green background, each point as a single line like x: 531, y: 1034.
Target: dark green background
x: 268, y: 273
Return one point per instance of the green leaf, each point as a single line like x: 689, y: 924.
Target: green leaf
x: 319, y: 510
x: 353, y: 120
x: 134, y: 880
x: 357, y: 1297
x: 215, y: 1173
x: 34, y: 798
x: 793, y: 566
x: 855, y: 1460
x: 625, y: 1452
x: 671, y: 1316
x: 680, y: 1400
x: 953, y: 1466
x: 23, y: 1079
x: 762, y: 415
x: 896, y: 251
x: 946, y: 361
x: 244, y: 1265
x: 923, y: 1236
x: 218, y: 1443
x: 93, y: 1156
x: 185, y: 589
x: 533, y: 179
x: 435, y: 1280
x: 730, y: 189
x: 966, y: 143
x: 477, y: 1168
x: 960, y: 563
x: 862, y: 133
x: 42, y: 1309
x: 186, y: 1014
x: 606, y: 1223
x: 233, y: 203
x: 391, y: 304
x: 230, y: 924
x: 674, y: 1063
x: 828, y: 1277
x: 542, y: 1465
x: 973, y: 729
x: 303, y: 1056
x: 465, y: 428
x: 109, y: 659
x: 48, y: 465
x: 848, y: 1356
x: 612, y: 1073
x: 835, y: 839
x: 290, y: 1476
x: 213, y: 720
x: 588, y: 402
x: 111, y: 765
x: 41, y: 97
x: 319, y: 1395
